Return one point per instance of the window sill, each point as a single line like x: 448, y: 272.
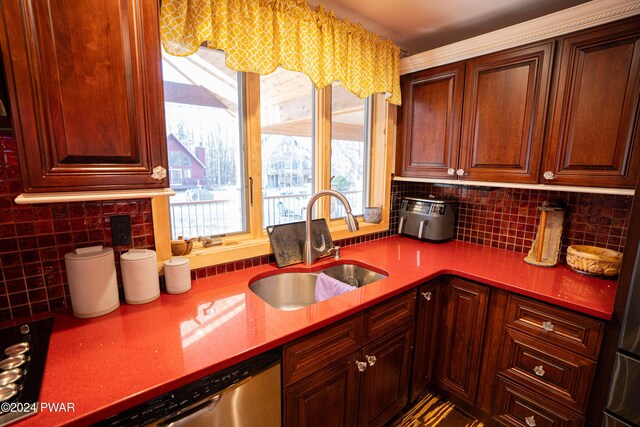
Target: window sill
x: 236, y: 249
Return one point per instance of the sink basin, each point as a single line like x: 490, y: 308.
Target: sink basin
x: 353, y: 274
x: 295, y: 290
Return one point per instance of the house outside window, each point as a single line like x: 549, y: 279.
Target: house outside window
x: 248, y: 151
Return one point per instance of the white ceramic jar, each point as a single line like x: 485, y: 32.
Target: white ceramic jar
x: 92, y: 281
x: 177, y: 275
x: 140, y: 276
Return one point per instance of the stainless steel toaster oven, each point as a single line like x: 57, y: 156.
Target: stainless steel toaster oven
x: 427, y: 219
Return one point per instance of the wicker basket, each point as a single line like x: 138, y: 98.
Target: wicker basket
x: 593, y: 260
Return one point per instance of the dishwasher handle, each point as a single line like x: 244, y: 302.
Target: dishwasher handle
x: 183, y: 418
x: 186, y: 417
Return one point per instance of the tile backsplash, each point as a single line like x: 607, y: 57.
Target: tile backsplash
x: 507, y: 218
x: 35, y: 238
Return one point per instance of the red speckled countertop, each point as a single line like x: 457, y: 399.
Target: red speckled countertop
x: 111, y: 363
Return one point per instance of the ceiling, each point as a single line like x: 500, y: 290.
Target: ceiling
x: 419, y: 25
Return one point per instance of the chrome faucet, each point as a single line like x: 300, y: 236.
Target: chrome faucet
x: 311, y: 251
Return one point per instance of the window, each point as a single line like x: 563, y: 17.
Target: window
x: 203, y: 122
x: 286, y: 118
x: 349, y: 149
x: 247, y: 151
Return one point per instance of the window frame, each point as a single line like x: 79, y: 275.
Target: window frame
x: 255, y: 241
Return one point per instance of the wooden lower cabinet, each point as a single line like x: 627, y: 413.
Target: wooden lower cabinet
x: 516, y: 406
x: 326, y: 398
x: 461, y: 337
x: 385, y: 381
x: 367, y: 387
x: 427, y: 324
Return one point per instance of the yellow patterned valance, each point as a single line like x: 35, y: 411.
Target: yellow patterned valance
x: 260, y: 35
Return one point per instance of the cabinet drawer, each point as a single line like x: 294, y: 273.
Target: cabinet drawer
x: 566, y: 329
x: 517, y: 407
x: 555, y: 373
x: 389, y: 316
x: 320, y: 349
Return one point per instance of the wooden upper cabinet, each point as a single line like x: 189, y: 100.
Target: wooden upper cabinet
x: 504, y: 114
x: 86, y: 86
x: 594, y: 119
x: 429, y: 132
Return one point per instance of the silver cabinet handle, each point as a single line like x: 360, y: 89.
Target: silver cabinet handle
x: 361, y: 365
x: 371, y: 359
x: 460, y: 172
x: 547, y: 326
x: 531, y: 422
x: 451, y: 171
x: 549, y: 175
x: 539, y: 371
x: 427, y: 295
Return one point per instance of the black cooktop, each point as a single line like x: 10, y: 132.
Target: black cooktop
x: 23, y: 351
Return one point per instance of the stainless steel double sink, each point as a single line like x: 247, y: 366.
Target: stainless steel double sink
x: 295, y: 290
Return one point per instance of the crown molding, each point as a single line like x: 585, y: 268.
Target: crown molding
x: 579, y: 17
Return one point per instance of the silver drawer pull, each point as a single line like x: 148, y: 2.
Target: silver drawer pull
x: 531, y: 422
x: 539, y: 371
x: 427, y: 296
x: 371, y: 359
x: 547, y: 326
x: 361, y: 365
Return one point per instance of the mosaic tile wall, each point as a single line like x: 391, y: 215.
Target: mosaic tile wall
x: 507, y: 218
x: 35, y: 238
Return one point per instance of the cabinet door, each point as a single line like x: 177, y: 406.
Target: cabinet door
x: 427, y: 324
x: 327, y: 398
x: 504, y: 114
x: 461, y: 336
x: 85, y: 82
x: 595, y: 109
x: 385, y: 381
x: 429, y: 122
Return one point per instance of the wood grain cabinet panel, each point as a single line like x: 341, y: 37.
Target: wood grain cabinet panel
x: 569, y: 330
x: 337, y: 377
x: 327, y: 398
x: 385, y: 382
x: 85, y: 82
x: 504, y: 114
x: 427, y: 326
x: 429, y: 123
x: 593, y: 138
x: 461, y: 337
x: 322, y: 348
x: 517, y: 407
x: 388, y: 317
x: 557, y: 374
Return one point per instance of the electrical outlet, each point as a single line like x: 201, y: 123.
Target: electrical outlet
x: 121, y: 230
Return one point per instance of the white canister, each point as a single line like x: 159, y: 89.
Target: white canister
x: 140, y: 276
x: 177, y: 275
x: 92, y: 281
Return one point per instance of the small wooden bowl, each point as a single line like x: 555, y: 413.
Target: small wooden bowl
x: 594, y: 261
x: 181, y: 247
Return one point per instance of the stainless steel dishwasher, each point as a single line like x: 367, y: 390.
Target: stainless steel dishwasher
x: 247, y: 394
